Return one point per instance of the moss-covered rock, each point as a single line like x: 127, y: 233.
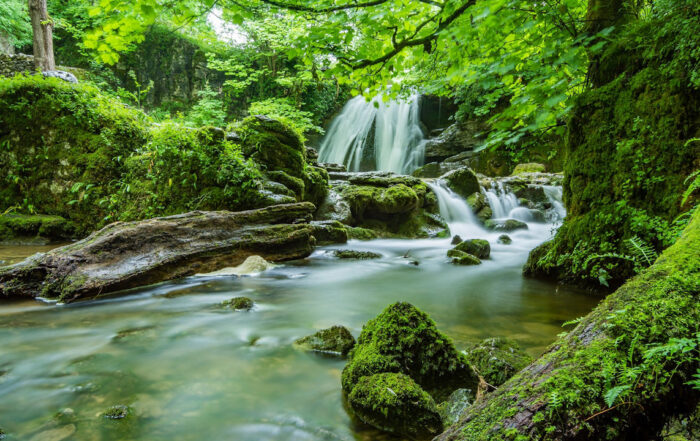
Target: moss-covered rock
x: 497, y: 359
x: 462, y: 181
x: 329, y: 232
x: 359, y: 233
x: 239, y: 304
x: 403, y: 339
x: 395, y: 403
x: 505, y: 239
x: 41, y: 228
x: 628, y: 156
x: 505, y: 225
x: 480, y: 205
x: 354, y: 254
x: 335, y: 340
x: 462, y: 258
x: 62, y: 147
x: 118, y: 412
x: 530, y: 167
x: 476, y: 247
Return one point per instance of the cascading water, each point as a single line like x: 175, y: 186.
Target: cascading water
x: 502, y: 201
x: 455, y: 210
x: 376, y: 136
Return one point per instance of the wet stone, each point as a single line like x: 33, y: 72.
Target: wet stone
x: 354, y: 254
x: 239, y: 304
x: 118, y: 412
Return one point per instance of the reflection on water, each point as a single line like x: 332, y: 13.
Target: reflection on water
x: 192, y: 371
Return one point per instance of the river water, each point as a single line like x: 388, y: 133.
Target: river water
x: 192, y: 371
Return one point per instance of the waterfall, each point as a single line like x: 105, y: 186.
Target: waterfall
x: 555, y: 195
x: 455, y: 210
x: 502, y: 201
x: 376, y: 136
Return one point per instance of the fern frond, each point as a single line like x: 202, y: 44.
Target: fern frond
x: 643, y: 253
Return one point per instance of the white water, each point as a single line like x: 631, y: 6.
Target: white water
x: 502, y: 202
x: 455, y: 211
x: 395, y: 126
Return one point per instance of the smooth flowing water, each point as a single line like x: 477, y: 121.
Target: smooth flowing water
x: 374, y: 135
x: 192, y: 371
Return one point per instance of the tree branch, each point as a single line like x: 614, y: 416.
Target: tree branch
x: 302, y: 8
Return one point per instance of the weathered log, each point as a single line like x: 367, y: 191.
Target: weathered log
x: 128, y: 255
x: 618, y: 374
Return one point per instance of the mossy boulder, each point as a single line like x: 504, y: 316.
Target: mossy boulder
x: 505, y: 239
x: 462, y: 258
x: 476, y: 247
x: 530, y: 167
x: 329, y: 232
x: 354, y: 254
x: 375, y: 202
x: 462, y: 181
x: 403, y: 339
x: 35, y: 228
x: 480, y: 206
x: 334, y: 340
x: 505, y: 225
x: 360, y: 233
x: 239, y: 304
x: 395, y: 403
x: 497, y: 359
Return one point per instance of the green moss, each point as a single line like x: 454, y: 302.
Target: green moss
x: 336, y: 339
x: 530, y: 167
x: 273, y: 145
x: 464, y: 259
x: 395, y: 403
x: 117, y: 412
x: 354, y: 254
x: 239, y: 303
x: 463, y: 181
x: 62, y: 147
x: 477, y: 247
x: 43, y: 227
x: 497, y: 359
x: 404, y: 339
x: 361, y: 233
x: 505, y: 225
x: 629, y: 360
x: 627, y: 159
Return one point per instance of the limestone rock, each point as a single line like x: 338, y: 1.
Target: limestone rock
x: 335, y: 340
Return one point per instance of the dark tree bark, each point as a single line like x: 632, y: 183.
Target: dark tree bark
x: 42, y: 28
x: 603, y: 14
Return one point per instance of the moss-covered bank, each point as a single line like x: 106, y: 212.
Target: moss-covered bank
x: 628, y: 155
x: 70, y: 151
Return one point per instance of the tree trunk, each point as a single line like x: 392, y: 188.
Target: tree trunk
x: 602, y: 14
x: 598, y: 382
x: 42, y: 28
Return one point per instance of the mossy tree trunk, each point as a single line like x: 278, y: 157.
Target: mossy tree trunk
x: 602, y: 14
x: 620, y: 374
x: 42, y: 28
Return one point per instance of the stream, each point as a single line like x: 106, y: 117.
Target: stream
x: 193, y: 371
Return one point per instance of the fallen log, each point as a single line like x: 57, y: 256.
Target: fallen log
x: 127, y: 255
x: 619, y: 374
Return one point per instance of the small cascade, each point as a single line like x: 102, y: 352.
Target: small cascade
x: 503, y: 202
x: 555, y: 195
x: 376, y: 136
x: 455, y: 210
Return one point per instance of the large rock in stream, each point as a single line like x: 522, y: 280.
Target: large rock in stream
x: 132, y: 254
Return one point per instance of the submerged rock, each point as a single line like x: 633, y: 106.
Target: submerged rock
x: 403, y: 339
x: 354, y: 254
x: 505, y: 225
x: 497, y: 359
x: 132, y: 254
x: 395, y: 403
x: 239, y: 304
x: 476, y: 247
x: 117, y: 412
x: 56, y: 434
x: 505, y: 239
x: 336, y: 339
x: 2, y: 433
x: 451, y: 409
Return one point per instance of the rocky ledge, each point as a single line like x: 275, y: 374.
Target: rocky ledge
x: 132, y: 254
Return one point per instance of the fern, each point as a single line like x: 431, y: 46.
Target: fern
x: 642, y: 252
x: 612, y: 394
x: 692, y: 187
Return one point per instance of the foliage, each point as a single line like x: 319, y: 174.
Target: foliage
x: 282, y: 109
x: 209, y: 110
x: 14, y: 22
